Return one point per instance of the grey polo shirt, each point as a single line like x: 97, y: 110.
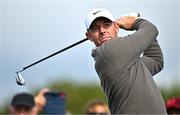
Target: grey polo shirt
x: 126, y: 77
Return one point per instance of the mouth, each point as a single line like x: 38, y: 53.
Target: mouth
x: 104, y: 39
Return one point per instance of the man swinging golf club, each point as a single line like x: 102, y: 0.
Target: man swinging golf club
x: 126, y: 77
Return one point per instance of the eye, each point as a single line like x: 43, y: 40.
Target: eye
x: 94, y: 28
x: 107, y: 24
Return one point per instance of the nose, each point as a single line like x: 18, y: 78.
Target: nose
x: 102, y: 30
x: 21, y: 113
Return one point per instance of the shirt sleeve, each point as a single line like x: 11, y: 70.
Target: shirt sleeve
x: 126, y: 49
x: 153, y: 58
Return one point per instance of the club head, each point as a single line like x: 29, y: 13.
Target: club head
x: 19, y: 79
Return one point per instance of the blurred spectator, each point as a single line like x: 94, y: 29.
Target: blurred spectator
x: 173, y: 106
x: 97, y: 107
x: 22, y: 104
x: 40, y: 100
x: 27, y: 104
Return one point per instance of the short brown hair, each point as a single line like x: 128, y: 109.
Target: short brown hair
x: 91, y: 105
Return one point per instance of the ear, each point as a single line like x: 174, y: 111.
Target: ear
x: 88, y: 36
x: 10, y: 110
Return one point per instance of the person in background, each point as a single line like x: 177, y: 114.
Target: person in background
x: 97, y: 107
x: 22, y: 104
x: 173, y: 106
x: 40, y: 100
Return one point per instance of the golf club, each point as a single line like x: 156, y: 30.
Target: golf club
x: 20, y: 80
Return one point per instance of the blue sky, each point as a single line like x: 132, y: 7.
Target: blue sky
x: 33, y: 29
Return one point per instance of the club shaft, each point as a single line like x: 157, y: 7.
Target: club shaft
x: 64, y: 49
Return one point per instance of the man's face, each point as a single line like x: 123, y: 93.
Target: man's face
x: 98, y: 110
x: 102, y: 30
x: 22, y: 110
